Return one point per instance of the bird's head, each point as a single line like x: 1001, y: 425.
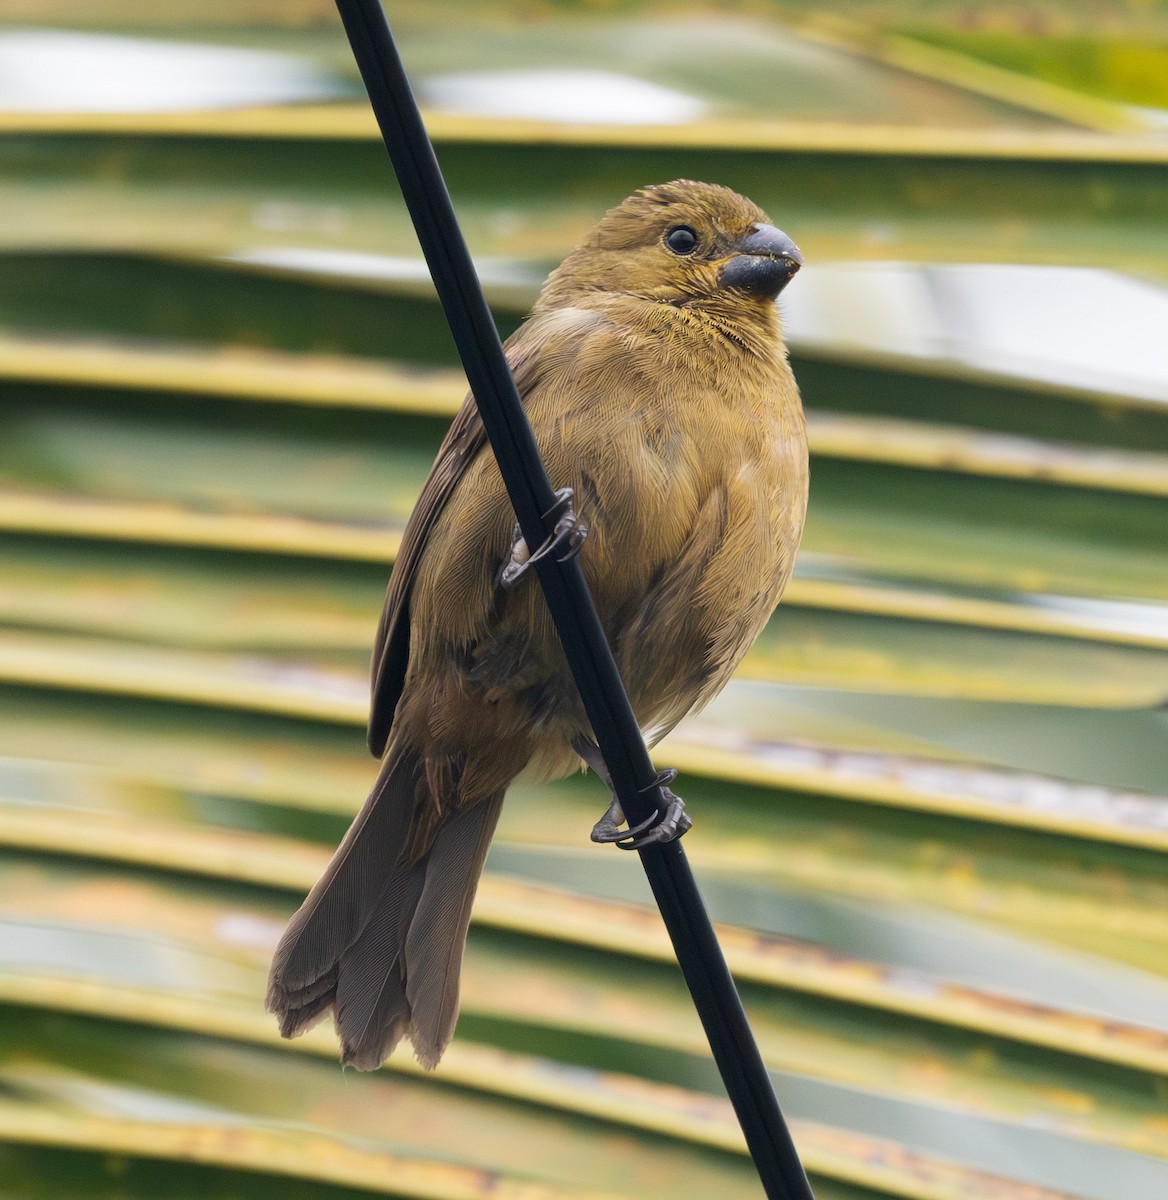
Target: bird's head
x: 680, y: 243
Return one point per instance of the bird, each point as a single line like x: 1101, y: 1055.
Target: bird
x: 654, y: 375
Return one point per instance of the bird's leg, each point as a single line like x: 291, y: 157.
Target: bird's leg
x: 662, y: 826
x: 564, y: 541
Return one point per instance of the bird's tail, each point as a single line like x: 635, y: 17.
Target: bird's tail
x: 380, y: 941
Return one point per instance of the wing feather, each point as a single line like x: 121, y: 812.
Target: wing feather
x: 464, y: 442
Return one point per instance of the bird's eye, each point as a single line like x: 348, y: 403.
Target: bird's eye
x: 681, y: 240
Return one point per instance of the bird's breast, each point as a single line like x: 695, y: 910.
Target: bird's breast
x: 689, y: 465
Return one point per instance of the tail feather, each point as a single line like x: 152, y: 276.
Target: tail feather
x: 304, y: 1011
x: 336, y: 910
x: 378, y: 942
x: 372, y: 1011
x: 437, y: 934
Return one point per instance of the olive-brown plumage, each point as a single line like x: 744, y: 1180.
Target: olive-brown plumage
x: 655, y: 378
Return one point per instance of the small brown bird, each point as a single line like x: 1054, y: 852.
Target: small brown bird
x: 654, y: 374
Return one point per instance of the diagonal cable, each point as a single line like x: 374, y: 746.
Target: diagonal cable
x: 586, y: 648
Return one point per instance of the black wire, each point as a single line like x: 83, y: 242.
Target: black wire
x: 585, y: 645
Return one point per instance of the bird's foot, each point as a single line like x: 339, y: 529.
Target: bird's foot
x: 563, y: 543
x: 665, y: 825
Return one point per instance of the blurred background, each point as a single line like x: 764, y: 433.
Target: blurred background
x: 931, y: 812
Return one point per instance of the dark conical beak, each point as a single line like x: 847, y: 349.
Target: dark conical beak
x: 765, y: 263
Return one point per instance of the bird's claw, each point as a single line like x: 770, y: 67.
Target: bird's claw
x: 563, y: 542
x: 608, y: 828
x: 665, y: 825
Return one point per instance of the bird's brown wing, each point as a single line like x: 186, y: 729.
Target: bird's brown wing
x: 464, y: 442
